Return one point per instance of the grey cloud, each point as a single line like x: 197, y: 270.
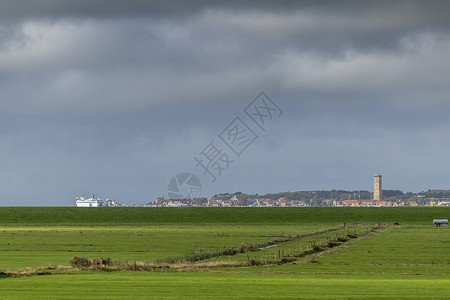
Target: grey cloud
x: 103, y: 74
x: 67, y: 8
x: 320, y: 25
x: 133, y: 89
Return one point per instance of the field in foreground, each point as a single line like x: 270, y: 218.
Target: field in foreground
x: 310, y: 253
x: 138, y: 285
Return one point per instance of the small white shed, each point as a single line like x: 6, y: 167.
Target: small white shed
x: 440, y: 222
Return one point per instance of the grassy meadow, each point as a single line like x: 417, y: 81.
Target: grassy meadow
x: 253, y: 253
x: 130, y: 216
x: 133, y: 285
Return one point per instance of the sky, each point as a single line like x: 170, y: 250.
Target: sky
x: 110, y: 98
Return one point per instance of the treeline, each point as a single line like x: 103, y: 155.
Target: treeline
x: 318, y: 197
x: 315, y: 195
x: 436, y: 194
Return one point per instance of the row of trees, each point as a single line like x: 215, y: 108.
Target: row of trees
x: 318, y: 198
x: 315, y: 195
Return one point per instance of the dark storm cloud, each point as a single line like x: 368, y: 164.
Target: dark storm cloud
x: 155, y: 52
x: 67, y: 8
x: 131, y: 90
x: 319, y: 24
x: 150, y: 47
x: 328, y: 27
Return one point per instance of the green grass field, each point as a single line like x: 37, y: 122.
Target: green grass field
x: 410, y: 261
x: 22, y: 247
x: 129, y: 216
x: 133, y: 285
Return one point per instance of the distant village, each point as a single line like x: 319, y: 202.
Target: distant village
x: 234, y: 201
x: 333, y: 198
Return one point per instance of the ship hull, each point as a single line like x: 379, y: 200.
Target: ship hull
x: 83, y: 202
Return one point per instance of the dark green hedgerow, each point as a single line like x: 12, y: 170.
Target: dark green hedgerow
x: 202, y: 254
x: 80, y: 262
x: 116, y: 216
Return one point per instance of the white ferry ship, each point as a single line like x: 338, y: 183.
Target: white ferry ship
x: 91, y: 202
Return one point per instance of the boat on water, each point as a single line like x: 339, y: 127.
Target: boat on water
x: 96, y: 202
x: 91, y: 202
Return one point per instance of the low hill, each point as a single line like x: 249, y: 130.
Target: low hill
x: 74, y: 216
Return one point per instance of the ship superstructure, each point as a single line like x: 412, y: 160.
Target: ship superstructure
x: 89, y: 202
x: 96, y: 202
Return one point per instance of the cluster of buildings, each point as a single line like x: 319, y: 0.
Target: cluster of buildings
x: 440, y: 202
x: 370, y: 203
x: 282, y: 202
x: 377, y: 198
x: 234, y: 201
x: 379, y: 202
x: 240, y: 200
